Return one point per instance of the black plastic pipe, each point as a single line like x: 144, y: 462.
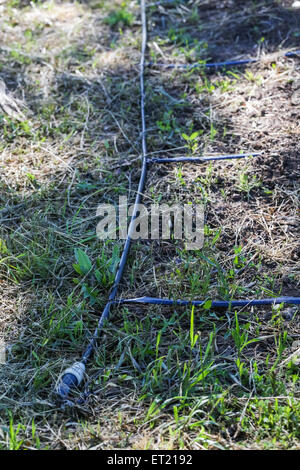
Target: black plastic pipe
x: 201, y: 159
x: 214, y: 304
x: 214, y: 65
x: 70, y: 379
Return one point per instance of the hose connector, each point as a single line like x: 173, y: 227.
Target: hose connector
x: 70, y: 379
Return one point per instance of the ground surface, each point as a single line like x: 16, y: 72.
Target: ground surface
x: 70, y: 139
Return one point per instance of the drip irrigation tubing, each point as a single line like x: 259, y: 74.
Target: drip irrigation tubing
x: 215, y: 65
x: 71, y: 378
x: 141, y: 186
x: 214, y: 303
x: 202, y: 159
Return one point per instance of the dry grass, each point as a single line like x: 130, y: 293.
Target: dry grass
x: 73, y: 66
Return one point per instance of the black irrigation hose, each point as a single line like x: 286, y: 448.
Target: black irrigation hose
x: 215, y: 65
x: 214, y: 304
x: 73, y: 376
x: 202, y: 159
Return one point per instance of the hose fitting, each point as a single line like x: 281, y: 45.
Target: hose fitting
x: 70, y: 379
